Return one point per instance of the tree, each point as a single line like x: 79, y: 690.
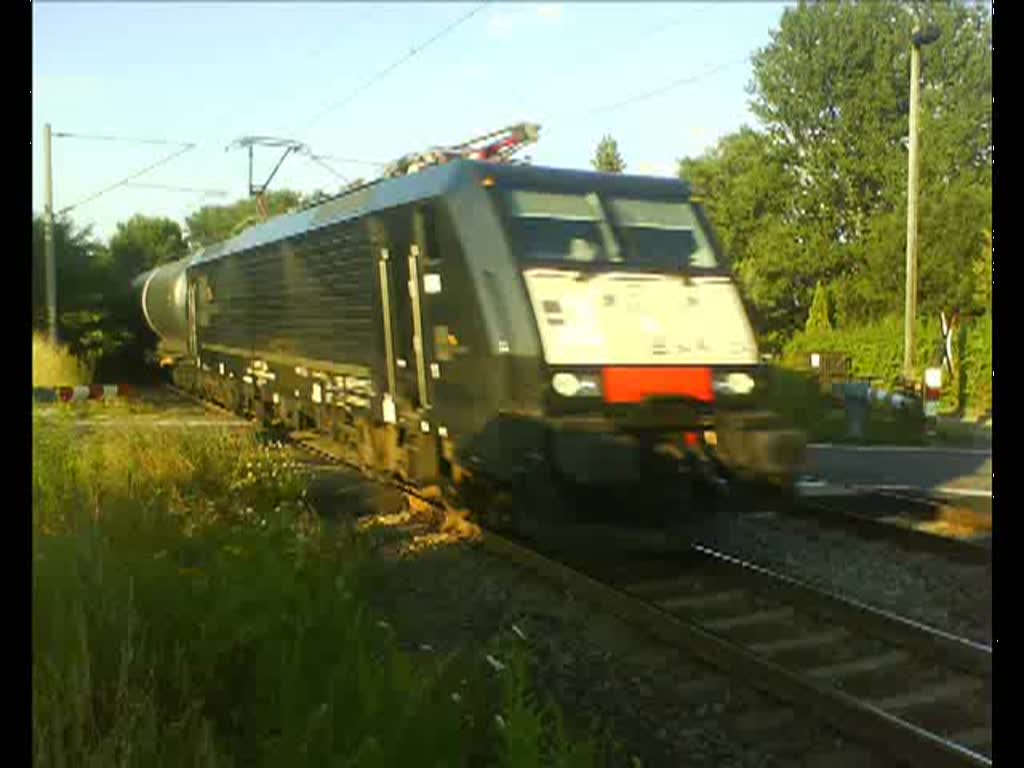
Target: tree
x: 742, y: 187
x: 740, y: 184
x: 607, y: 158
x: 82, y: 268
x: 818, y: 319
x: 831, y: 91
x: 818, y: 193
x: 142, y: 243
x: 213, y: 224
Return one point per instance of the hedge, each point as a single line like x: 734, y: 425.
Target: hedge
x: 876, y: 354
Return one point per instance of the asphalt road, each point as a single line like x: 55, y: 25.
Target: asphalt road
x: 950, y: 471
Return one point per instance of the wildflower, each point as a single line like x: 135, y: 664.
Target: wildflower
x: 426, y: 647
x: 495, y: 664
x: 518, y: 632
x: 500, y: 721
x: 456, y: 697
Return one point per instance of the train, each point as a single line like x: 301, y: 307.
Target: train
x: 473, y: 322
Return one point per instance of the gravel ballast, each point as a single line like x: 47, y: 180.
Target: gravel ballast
x: 928, y: 588
x: 645, y: 704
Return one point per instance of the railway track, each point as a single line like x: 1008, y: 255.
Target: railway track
x: 917, y: 694
x: 920, y: 694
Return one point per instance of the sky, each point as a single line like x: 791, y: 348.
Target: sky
x: 665, y: 79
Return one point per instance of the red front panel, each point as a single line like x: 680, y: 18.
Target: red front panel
x: 633, y: 385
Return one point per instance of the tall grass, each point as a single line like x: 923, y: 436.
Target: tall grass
x: 55, y: 366
x: 189, y: 608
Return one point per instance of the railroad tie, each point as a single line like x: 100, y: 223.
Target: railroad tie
x: 947, y: 690
x: 859, y: 666
x: 769, y: 616
x: 801, y: 642
x: 692, y: 602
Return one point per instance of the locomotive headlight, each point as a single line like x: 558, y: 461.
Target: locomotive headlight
x: 734, y: 383
x: 576, y: 385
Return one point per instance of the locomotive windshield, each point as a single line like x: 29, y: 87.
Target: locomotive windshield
x: 557, y: 227
x: 583, y: 228
x: 661, y: 233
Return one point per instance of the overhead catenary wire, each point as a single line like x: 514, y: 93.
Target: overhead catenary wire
x: 414, y: 51
x: 630, y: 100
x: 126, y: 179
x: 123, y: 139
x: 354, y: 161
x: 688, y: 80
x: 172, y: 188
x: 319, y: 161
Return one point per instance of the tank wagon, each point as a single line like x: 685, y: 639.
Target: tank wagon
x: 472, y: 319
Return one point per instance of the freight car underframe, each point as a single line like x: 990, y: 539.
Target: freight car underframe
x: 660, y: 459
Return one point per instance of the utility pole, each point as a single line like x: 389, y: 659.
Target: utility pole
x: 51, y: 259
x: 918, y: 40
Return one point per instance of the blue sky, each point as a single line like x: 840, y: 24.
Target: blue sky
x: 209, y: 73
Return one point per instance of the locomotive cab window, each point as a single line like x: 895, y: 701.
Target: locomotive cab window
x: 585, y: 229
x: 555, y: 227
x: 661, y: 233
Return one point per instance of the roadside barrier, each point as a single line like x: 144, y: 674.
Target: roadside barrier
x: 81, y: 393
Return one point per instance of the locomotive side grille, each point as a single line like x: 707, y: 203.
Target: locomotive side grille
x: 310, y: 296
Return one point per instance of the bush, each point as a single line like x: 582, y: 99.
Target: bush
x: 876, y: 350
x: 976, y: 366
x: 876, y: 353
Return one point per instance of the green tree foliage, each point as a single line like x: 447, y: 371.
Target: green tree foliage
x: 96, y: 314
x: 215, y: 223
x: 819, y: 193
x: 607, y: 158
x: 818, y: 321
x: 142, y: 243
x: 82, y: 269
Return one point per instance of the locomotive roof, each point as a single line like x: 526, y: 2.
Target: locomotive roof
x: 433, y: 182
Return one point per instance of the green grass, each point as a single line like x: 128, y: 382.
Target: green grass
x: 189, y: 608
x: 55, y: 366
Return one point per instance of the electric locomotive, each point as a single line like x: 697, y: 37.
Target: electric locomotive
x: 473, y: 319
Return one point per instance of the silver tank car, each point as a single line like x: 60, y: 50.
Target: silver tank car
x: 162, y: 294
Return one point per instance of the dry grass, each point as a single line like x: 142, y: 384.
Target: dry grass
x: 56, y: 366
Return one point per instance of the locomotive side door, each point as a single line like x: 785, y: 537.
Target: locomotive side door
x: 401, y: 299
x: 407, y: 356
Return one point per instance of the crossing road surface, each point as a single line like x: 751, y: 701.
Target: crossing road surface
x: 959, y: 472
